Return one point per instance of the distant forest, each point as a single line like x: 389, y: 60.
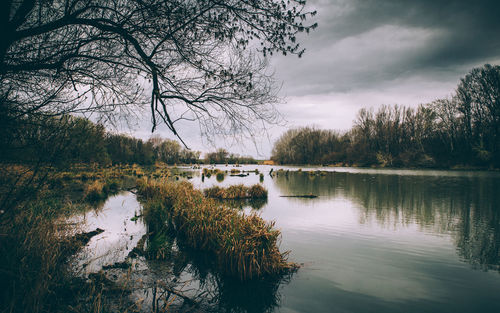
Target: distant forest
x: 68, y: 139
x: 463, y: 130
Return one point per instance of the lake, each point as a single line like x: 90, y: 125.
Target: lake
x: 372, y: 241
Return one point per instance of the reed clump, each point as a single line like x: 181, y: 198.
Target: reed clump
x: 257, y: 191
x: 219, y: 174
x: 99, y: 190
x: 240, y: 191
x: 94, y: 191
x: 245, y: 246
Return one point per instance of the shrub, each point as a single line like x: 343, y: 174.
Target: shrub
x: 220, y: 176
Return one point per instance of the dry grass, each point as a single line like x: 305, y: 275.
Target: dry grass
x: 236, y: 192
x: 257, y: 192
x: 35, y: 243
x: 214, y: 192
x: 99, y: 190
x: 33, y: 252
x: 245, y: 246
x: 94, y: 191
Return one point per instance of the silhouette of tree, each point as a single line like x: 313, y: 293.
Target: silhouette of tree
x: 201, y: 60
x: 478, y: 96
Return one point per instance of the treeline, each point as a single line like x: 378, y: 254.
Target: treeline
x: 222, y: 156
x: 70, y: 139
x: 463, y: 130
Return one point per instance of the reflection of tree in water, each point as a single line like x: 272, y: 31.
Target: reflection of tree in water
x: 195, y: 282
x: 465, y: 206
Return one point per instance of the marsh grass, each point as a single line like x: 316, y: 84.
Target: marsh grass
x: 240, y: 204
x: 257, y: 192
x: 99, y: 190
x: 236, y: 192
x: 94, y: 191
x: 240, y: 191
x: 245, y: 246
x: 36, y: 242
x: 34, y: 248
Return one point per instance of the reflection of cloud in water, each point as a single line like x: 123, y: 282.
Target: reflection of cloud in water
x: 120, y: 234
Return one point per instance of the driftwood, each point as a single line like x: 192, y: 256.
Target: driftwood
x: 300, y: 196
x: 84, y: 238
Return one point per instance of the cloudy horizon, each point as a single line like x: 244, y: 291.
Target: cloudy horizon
x: 365, y: 54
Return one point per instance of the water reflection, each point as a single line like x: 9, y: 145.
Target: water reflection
x: 372, y: 241
x: 240, y: 204
x: 120, y: 235
x: 183, y: 280
x: 464, y: 207
x: 194, y: 275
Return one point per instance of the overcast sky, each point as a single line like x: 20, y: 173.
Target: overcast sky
x: 366, y: 53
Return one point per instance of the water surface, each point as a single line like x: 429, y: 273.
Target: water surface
x: 387, y: 240
x: 372, y: 241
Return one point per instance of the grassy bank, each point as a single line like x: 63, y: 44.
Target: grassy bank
x: 36, y: 242
x: 245, y: 246
x: 35, y: 245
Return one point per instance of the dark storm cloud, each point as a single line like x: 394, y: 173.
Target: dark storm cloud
x: 371, y: 52
x: 362, y: 43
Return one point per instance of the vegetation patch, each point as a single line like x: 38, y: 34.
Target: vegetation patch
x: 240, y: 191
x: 245, y: 246
x: 220, y: 175
x: 99, y: 190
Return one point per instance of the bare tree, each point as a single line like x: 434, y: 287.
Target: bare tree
x: 478, y: 96
x: 201, y: 60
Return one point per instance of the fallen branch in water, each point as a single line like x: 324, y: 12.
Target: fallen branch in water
x: 300, y: 196
x: 84, y: 238
x: 239, y: 175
